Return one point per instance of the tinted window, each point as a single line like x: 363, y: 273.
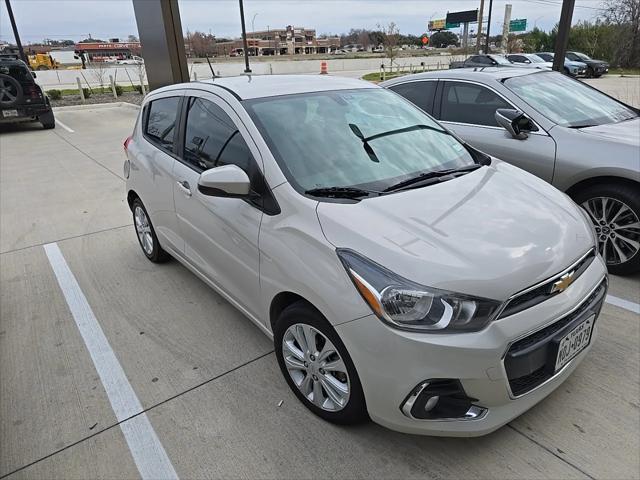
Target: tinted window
x: 470, y: 103
x: 161, y: 121
x: 419, y: 93
x: 482, y: 60
x: 236, y: 152
x: 545, y: 56
x: 518, y: 58
x: 207, y: 131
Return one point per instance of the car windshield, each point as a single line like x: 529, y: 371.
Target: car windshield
x: 535, y: 59
x: 501, y: 60
x: 582, y: 56
x: 325, y: 139
x: 568, y: 102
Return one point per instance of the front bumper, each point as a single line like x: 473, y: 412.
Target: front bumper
x: 391, y: 363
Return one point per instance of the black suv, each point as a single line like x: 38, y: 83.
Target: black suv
x: 21, y: 99
x: 595, y: 68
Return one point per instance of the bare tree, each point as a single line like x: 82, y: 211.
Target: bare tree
x: 390, y: 40
x: 99, y: 71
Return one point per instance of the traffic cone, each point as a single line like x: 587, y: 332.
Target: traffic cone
x: 323, y: 68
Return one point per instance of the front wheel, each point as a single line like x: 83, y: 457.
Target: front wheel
x: 317, y: 366
x: 614, y: 210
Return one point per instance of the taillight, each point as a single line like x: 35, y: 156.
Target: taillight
x: 127, y: 141
x: 32, y: 91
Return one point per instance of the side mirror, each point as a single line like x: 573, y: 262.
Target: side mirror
x: 515, y: 122
x: 227, y: 181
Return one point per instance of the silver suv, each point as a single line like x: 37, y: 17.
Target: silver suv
x: 575, y: 137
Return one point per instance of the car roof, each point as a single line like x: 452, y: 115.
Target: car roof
x: 472, y: 73
x: 260, y: 86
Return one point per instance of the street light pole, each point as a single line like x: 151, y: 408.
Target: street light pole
x: 244, y: 40
x: 479, y: 34
x: 488, y: 26
x: 253, y: 19
x: 15, y: 32
x: 562, y: 40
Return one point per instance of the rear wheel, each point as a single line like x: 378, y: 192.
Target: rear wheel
x: 47, y: 120
x: 10, y: 91
x: 614, y: 210
x: 317, y: 366
x: 146, y: 234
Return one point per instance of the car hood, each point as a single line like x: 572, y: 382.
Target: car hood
x: 491, y: 233
x: 594, y: 62
x: 623, y: 132
x: 573, y: 63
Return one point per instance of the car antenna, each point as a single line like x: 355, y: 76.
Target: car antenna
x: 213, y: 74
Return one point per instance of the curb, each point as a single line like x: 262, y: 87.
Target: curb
x: 98, y: 106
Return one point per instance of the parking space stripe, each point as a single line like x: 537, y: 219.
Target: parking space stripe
x: 148, y: 453
x: 68, y: 129
x: 622, y: 303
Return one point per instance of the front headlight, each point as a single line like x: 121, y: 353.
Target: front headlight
x: 407, y: 305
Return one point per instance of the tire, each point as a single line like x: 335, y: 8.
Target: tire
x: 620, y: 245
x: 296, y: 318
x: 589, y: 73
x: 47, y: 120
x: 146, y: 234
x: 597, y: 75
x: 11, y: 91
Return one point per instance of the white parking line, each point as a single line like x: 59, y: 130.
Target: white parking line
x: 68, y: 129
x: 622, y: 303
x: 147, y: 451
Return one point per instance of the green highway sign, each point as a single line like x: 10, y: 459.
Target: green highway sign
x: 452, y: 25
x: 518, y: 25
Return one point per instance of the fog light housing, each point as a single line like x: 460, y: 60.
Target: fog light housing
x: 441, y: 399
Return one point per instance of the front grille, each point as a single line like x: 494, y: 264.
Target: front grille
x: 530, y: 361
x: 539, y: 294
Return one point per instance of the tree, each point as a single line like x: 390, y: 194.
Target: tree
x: 443, y: 39
x: 625, y: 14
x: 132, y: 39
x: 390, y: 42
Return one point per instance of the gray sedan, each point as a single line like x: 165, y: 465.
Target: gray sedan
x: 582, y: 141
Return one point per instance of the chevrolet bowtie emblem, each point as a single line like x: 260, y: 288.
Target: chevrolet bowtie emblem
x: 564, y: 282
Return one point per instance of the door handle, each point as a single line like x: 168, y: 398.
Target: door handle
x: 184, y: 187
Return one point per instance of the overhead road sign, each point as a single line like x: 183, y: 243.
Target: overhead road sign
x: 518, y: 25
x: 468, y: 16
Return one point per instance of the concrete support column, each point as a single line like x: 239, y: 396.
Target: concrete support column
x: 162, y: 42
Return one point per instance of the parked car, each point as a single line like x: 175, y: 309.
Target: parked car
x: 529, y: 60
x: 595, y: 68
x: 571, y: 68
x: 479, y: 61
x: 561, y: 130
x: 403, y: 274
x: 21, y: 98
x: 133, y: 60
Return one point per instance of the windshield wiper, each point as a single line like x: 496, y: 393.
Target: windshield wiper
x: 340, y: 192
x: 365, y: 140
x: 438, y: 174
x: 584, y: 125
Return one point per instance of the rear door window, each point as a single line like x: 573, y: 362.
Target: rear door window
x: 160, y: 125
x: 418, y: 93
x: 470, y: 103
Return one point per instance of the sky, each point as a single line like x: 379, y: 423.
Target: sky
x: 104, y: 19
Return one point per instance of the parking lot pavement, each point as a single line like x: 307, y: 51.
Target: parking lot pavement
x: 626, y: 89
x: 204, y: 375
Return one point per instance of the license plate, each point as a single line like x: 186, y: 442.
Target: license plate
x: 574, y: 342
x: 9, y: 113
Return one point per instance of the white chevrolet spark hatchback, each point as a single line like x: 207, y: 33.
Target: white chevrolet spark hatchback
x: 402, y: 274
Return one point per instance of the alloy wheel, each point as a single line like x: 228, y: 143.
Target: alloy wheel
x: 617, y: 227
x: 316, y: 367
x: 143, y: 228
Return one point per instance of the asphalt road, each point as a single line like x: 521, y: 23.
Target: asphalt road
x: 205, y: 378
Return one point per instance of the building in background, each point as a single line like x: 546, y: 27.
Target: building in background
x: 280, y: 41
x: 108, y: 51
